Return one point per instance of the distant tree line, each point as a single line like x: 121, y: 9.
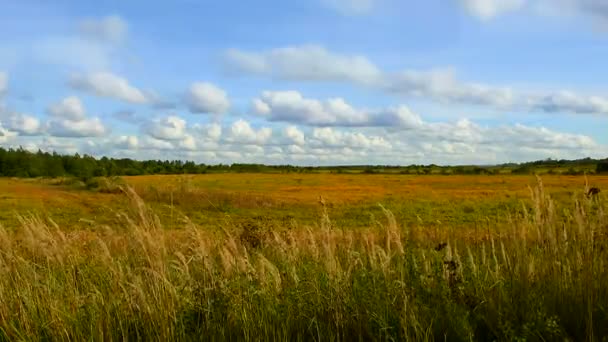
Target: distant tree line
x: 22, y: 163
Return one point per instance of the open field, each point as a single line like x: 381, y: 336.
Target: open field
x: 210, y: 200
x: 261, y: 256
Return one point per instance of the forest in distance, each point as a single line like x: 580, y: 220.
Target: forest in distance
x: 25, y: 164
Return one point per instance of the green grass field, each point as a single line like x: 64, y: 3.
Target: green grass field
x: 304, y: 257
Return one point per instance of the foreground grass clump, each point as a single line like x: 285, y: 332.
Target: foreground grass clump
x: 540, y: 276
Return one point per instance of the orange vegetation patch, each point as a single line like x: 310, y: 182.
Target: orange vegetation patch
x: 62, y: 204
x: 208, y: 198
x: 341, y: 188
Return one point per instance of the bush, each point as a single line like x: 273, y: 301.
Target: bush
x: 108, y: 185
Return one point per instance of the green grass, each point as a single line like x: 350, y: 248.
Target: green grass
x: 541, y: 275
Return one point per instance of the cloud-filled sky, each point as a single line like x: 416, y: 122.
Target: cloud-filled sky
x: 307, y: 82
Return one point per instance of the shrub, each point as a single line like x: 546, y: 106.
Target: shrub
x: 109, y: 185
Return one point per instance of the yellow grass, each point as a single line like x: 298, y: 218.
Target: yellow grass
x: 540, y: 275
x: 209, y: 200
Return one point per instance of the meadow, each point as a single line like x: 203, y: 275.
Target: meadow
x: 304, y: 257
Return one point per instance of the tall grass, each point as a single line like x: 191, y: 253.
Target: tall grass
x: 541, y: 276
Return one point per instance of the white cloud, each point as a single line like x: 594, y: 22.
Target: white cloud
x: 350, y: 7
x: 291, y: 106
x: 6, y: 135
x: 442, y: 85
x: 125, y: 142
x: 168, y: 128
x: 253, y: 149
x: 304, y: 62
x: 329, y: 137
x: 69, y: 108
x: 76, y: 129
x: 112, y: 29
x: 313, y: 63
x: 23, y: 124
x: 187, y: 143
x: 19, y: 123
x: 295, y: 149
x: 241, y: 132
x: 59, y: 145
x: 106, y: 84
x: 68, y: 119
x: 295, y: 135
x: 566, y: 101
x: 3, y: 82
x: 488, y: 9
x: 205, y: 97
x: 539, y: 138
x: 211, y: 132
x: 150, y: 143
x: 458, y: 142
x: 230, y: 155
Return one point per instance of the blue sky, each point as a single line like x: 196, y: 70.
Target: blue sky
x: 307, y: 82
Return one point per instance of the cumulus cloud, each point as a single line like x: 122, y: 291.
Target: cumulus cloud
x: 459, y: 142
x: 126, y: 142
x: 112, y: 29
x: 6, y: 135
x: 205, y: 97
x: 350, y: 7
x: 173, y: 133
x: 19, y: 123
x: 76, y: 129
x: 329, y: 137
x: 313, y: 63
x: 187, y: 143
x: 168, y: 128
x: 566, y: 101
x: 295, y: 135
x: 59, y: 145
x: 304, y: 62
x: 442, y: 85
x: 69, y: 119
x: 23, y: 124
x: 465, y: 141
x: 291, y: 106
x: 151, y: 143
x: 211, y: 132
x: 241, y: 132
x: 69, y: 108
x: 105, y: 84
x: 488, y: 9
